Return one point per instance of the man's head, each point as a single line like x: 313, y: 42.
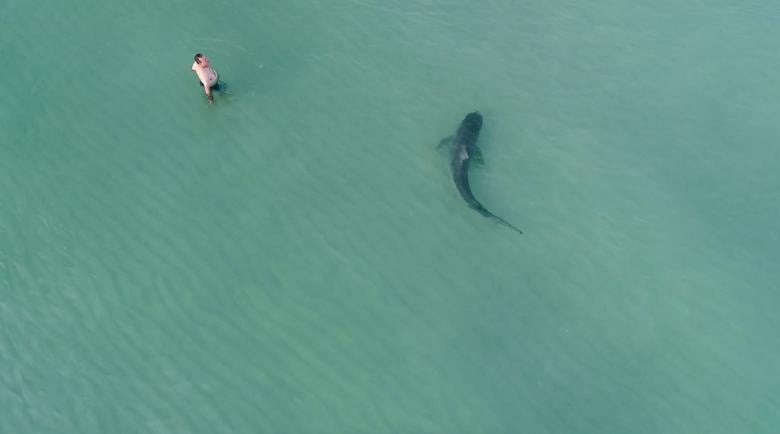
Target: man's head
x: 200, y: 59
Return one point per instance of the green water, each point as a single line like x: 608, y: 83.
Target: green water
x: 295, y: 258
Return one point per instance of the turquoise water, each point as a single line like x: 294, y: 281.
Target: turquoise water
x: 295, y: 258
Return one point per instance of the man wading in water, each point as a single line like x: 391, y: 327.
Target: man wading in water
x: 207, y: 76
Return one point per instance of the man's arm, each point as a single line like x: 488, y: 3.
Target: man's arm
x: 207, y: 89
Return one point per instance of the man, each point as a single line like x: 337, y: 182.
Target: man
x: 207, y: 76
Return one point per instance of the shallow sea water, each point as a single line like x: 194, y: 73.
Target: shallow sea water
x: 295, y: 258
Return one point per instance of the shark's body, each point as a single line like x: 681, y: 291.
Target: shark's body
x: 463, y: 148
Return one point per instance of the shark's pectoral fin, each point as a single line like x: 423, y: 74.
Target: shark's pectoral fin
x: 475, y: 155
x: 445, y: 142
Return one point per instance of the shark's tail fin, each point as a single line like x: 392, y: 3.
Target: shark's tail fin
x: 506, y: 223
x: 482, y: 210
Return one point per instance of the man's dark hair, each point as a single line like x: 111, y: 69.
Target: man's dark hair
x: 198, y: 56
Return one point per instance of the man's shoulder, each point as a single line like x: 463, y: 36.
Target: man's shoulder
x: 195, y: 66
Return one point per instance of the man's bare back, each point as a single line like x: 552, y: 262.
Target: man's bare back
x: 206, y: 74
